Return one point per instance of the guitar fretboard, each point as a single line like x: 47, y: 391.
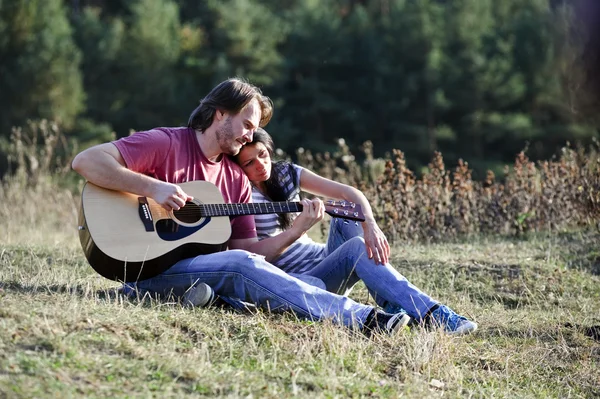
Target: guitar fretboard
x: 249, y: 209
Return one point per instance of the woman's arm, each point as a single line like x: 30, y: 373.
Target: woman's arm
x: 376, y: 242
x: 312, y: 213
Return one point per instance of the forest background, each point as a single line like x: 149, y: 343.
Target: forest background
x: 479, y: 80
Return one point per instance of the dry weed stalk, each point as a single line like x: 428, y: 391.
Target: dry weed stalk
x: 35, y: 192
x: 531, y: 196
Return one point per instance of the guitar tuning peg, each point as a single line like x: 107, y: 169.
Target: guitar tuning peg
x: 330, y: 202
x: 352, y: 205
x: 356, y: 223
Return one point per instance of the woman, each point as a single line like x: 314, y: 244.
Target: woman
x: 352, y: 252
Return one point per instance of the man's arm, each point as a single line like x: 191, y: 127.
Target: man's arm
x: 104, y: 166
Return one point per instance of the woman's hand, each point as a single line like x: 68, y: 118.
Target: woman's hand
x: 377, y: 244
x: 312, y: 213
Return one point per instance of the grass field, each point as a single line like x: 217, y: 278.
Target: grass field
x: 65, y: 333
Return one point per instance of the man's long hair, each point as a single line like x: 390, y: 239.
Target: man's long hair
x: 232, y: 96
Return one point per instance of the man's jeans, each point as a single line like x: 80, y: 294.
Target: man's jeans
x: 242, y: 276
x: 347, y: 263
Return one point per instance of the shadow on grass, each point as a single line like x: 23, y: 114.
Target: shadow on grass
x: 511, y: 285
x: 550, y: 333
x: 109, y: 294
x: 78, y: 290
x: 591, y: 331
x: 579, y: 250
x: 575, y: 250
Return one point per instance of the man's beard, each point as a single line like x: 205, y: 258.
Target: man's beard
x: 226, y: 140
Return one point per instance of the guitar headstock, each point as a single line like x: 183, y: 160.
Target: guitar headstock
x: 344, y: 210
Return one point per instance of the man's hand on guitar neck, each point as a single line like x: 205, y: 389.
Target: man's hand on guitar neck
x: 170, y: 196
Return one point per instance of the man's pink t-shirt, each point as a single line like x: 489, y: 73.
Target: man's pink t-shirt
x: 174, y: 155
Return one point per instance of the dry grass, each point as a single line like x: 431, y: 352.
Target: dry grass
x: 65, y: 333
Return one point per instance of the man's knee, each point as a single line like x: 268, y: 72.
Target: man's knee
x: 244, y: 261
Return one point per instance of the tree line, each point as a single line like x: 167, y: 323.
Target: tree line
x: 474, y: 79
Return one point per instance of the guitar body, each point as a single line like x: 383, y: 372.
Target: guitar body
x: 129, y: 238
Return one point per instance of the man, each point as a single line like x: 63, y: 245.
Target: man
x: 154, y: 162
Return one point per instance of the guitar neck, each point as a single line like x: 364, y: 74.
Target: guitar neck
x: 260, y: 208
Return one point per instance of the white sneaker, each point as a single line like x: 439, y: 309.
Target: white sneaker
x: 397, y: 323
x: 198, y: 295
x: 386, y: 323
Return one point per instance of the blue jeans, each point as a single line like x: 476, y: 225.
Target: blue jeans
x: 347, y: 263
x: 242, y: 276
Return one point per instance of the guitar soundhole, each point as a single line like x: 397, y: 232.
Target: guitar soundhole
x: 190, y: 213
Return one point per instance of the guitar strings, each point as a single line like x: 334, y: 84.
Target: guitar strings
x: 233, y: 210
x: 203, y: 210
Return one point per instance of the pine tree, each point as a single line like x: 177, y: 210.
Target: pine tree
x: 39, y: 71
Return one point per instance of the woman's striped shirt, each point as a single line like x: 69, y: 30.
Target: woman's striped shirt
x: 304, y: 253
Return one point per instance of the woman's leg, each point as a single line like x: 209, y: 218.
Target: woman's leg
x: 248, y: 277
x: 349, y: 263
x: 340, y: 231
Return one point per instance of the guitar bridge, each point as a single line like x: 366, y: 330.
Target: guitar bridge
x: 145, y: 214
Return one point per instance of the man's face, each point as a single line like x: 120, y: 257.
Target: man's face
x: 233, y: 131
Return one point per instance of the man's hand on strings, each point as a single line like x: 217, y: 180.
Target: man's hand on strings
x: 170, y: 196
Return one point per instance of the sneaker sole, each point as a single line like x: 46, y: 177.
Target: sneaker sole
x: 466, y: 328
x: 400, y: 324
x: 199, y: 295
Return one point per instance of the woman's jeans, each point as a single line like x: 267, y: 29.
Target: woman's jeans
x: 347, y: 263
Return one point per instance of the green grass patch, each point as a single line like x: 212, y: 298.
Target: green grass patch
x: 64, y: 331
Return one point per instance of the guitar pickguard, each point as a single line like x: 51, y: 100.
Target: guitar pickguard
x: 170, y: 230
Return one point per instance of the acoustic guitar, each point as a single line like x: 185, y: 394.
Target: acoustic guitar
x: 126, y: 237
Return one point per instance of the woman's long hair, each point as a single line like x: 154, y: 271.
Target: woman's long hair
x: 274, y: 190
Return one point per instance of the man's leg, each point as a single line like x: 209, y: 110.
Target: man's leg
x: 248, y: 277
